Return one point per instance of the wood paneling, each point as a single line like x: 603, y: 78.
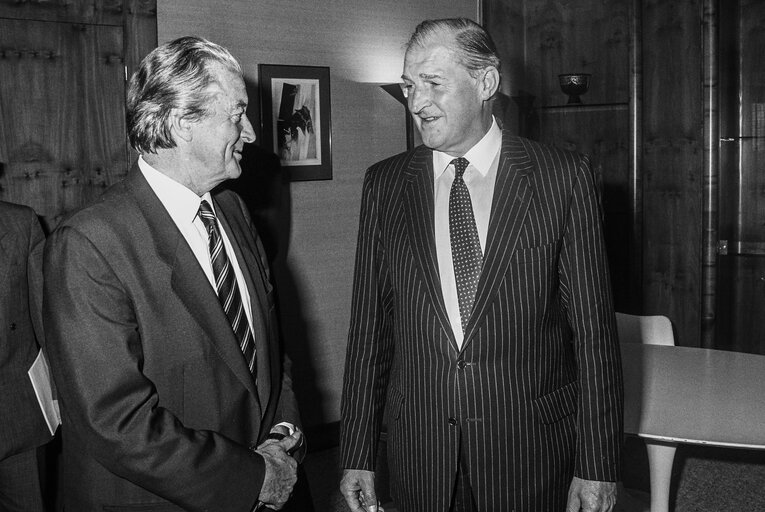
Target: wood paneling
x: 741, y: 302
x: 672, y: 164
x: 61, y: 108
x: 62, y: 98
x: 577, y: 37
x: 505, y: 22
x: 102, y: 12
x: 739, y: 323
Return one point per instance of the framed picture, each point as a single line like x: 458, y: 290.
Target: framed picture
x: 295, y: 119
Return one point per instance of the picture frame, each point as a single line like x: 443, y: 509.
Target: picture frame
x: 295, y: 119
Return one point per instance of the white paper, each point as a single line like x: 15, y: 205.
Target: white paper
x: 39, y: 374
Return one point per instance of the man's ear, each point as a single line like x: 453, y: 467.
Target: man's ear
x: 180, y: 126
x: 489, y: 82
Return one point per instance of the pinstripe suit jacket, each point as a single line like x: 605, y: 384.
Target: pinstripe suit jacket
x: 536, y: 388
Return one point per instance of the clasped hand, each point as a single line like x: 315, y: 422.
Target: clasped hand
x: 281, y: 470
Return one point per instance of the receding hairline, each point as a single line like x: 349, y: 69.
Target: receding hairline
x: 440, y: 36
x: 431, y: 47
x: 217, y: 72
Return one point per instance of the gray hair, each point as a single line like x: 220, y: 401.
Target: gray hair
x: 471, y: 43
x: 175, y: 75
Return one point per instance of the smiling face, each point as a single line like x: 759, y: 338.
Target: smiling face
x: 217, y: 139
x: 449, y: 106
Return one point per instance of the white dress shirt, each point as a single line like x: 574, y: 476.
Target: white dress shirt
x: 183, y: 206
x: 480, y: 177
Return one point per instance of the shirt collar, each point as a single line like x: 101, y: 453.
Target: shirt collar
x: 180, y: 202
x: 481, y: 156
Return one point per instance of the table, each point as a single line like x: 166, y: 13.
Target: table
x: 690, y: 395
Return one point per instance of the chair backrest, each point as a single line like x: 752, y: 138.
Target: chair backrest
x: 651, y: 330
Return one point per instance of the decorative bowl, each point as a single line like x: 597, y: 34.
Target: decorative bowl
x: 574, y: 84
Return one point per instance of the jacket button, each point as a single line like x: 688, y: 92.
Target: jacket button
x: 452, y: 422
x: 461, y: 365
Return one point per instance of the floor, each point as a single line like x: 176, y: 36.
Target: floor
x: 705, y: 480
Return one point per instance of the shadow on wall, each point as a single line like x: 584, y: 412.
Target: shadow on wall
x: 266, y: 191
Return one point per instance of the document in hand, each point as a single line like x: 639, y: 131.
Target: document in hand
x: 39, y: 374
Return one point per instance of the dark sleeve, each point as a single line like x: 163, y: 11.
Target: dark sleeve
x: 586, y: 293
x: 112, y: 407
x: 35, y: 278
x: 22, y: 426
x: 370, y: 343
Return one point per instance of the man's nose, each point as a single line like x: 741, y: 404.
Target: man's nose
x: 248, y: 132
x: 418, y: 99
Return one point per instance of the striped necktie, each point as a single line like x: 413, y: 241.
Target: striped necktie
x: 467, y: 257
x: 226, y: 286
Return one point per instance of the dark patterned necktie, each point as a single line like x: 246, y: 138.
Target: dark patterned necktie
x: 225, y: 283
x: 466, y: 247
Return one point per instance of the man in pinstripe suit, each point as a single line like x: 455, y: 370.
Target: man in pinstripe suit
x: 515, y: 402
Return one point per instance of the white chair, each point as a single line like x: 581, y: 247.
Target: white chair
x: 652, y: 330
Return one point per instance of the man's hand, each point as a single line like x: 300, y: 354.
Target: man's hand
x: 591, y: 496
x: 281, y: 471
x: 358, y: 488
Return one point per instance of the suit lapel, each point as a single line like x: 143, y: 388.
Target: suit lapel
x: 512, y: 196
x: 256, y: 277
x: 421, y: 223
x: 188, y: 280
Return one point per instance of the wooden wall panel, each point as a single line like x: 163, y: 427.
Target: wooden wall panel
x: 61, y: 107
x: 505, y: 22
x: 751, y: 106
x: 141, y: 29
x: 577, y: 37
x: 740, y: 286
x: 62, y: 98
x: 741, y: 301
x: 102, y: 12
x: 672, y: 163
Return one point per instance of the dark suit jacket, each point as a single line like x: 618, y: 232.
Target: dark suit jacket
x: 536, y: 387
x: 22, y: 426
x: 159, y: 408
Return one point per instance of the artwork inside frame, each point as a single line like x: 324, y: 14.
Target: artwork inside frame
x: 295, y: 119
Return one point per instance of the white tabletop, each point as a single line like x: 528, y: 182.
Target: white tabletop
x: 694, y: 395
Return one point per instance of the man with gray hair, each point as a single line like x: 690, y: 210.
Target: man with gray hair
x: 159, y: 312
x: 482, y: 326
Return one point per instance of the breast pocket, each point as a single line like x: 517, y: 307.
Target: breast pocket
x: 538, y: 253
